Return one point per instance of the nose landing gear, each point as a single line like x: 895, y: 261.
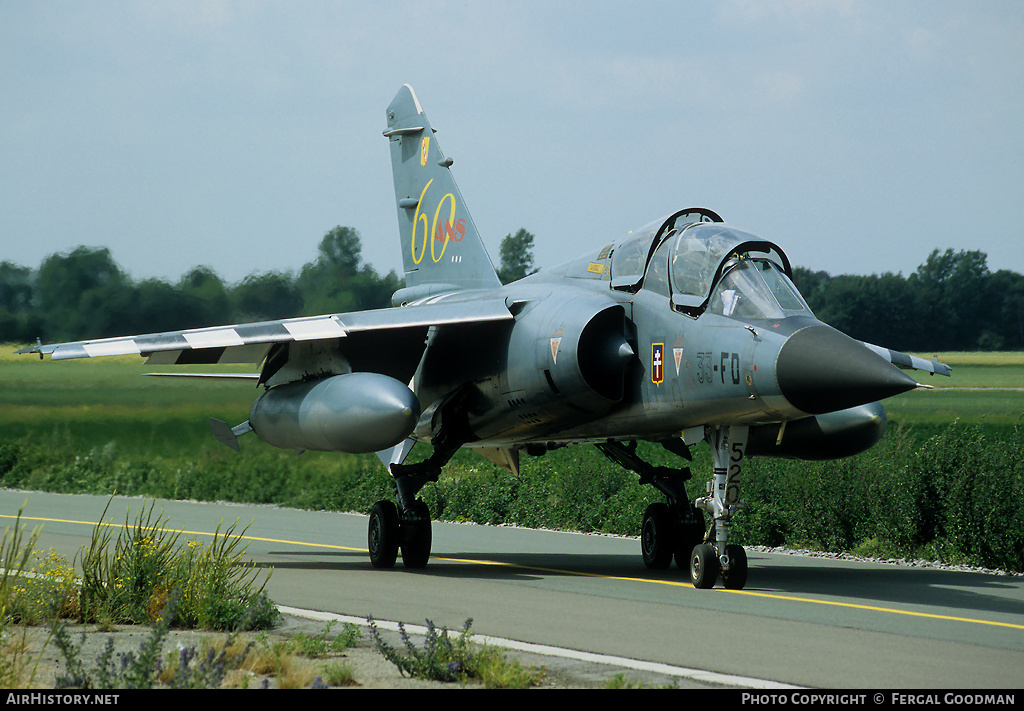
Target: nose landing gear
x: 716, y: 556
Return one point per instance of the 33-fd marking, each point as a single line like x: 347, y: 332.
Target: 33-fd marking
x: 708, y: 363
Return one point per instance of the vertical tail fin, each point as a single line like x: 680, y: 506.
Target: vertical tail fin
x: 441, y: 248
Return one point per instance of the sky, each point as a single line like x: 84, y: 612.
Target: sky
x: 858, y: 136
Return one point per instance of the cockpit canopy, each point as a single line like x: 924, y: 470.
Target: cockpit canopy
x: 703, y: 265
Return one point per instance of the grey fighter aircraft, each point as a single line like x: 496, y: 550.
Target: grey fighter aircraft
x: 686, y: 330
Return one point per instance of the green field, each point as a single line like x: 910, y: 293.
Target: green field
x: 985, y: 388
x: 101, y: 425
x: 99, y: 400
x: 94, y: 402
x: 102, y: 399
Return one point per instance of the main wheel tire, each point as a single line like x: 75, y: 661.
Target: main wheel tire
x: 657, y: 539
x: 689, y: 536
x: 736, y: 576
x: 383, y: 535
x: 704, y: 566
x: 416, y: 537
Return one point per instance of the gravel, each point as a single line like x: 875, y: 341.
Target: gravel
x: 370, y: 669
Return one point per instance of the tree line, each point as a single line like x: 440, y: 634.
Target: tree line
x: 951, y: 302
x: 85, y: 294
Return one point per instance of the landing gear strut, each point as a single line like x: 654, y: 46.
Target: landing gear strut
x: 716, y: 556
x: 406, y: 527
x: 669, y: 530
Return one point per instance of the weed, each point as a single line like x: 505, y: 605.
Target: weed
x: 439, y: 660
x: 323, y: 645
x: 621, y: 681
x: 442, y: 658
x: 339, y: 674
x: 132, y: 583
x: 15, y: 553
x: 128, y: 671
x: 23, y: 597
x: 205, y: 668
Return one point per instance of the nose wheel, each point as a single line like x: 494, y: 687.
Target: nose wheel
x: 704, y: 566
x: 735, y: 576
x: 676, y: 529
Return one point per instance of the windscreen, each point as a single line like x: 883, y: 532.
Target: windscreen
x: 703, y: 255
x: 756, y: 289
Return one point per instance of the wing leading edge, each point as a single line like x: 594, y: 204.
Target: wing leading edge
x: 250, y: 343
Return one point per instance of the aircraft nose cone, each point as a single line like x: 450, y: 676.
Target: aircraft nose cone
x: 821, y: 370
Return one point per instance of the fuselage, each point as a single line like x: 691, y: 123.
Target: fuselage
x: 586, y: 362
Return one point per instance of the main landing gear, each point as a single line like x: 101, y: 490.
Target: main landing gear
x: 668, y: 530
x: 676, y: 529
x: 391, y: 532
x: 405, y: 527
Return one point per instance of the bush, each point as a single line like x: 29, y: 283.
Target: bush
x: 443, y: 658
x: 955, y: 493
x: 131, y: 579
x: 975, y: 504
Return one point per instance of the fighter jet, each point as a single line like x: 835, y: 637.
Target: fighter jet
x: 686, y: 330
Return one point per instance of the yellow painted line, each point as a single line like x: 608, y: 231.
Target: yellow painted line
x: 875, y: 608
x: 559, y: 571
x: 753, y: 593
x: 176, y: 530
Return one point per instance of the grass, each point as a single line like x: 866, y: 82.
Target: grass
x: 19, y: 594
x: 228, y: 661
x: 95, y: 401
x: 147, y: 574
x: 303, y: 661
x: 104, y: 399
x: 982, y: 358
x: 127, y: 580
x: 144, y: 575
x: 985, y: 389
